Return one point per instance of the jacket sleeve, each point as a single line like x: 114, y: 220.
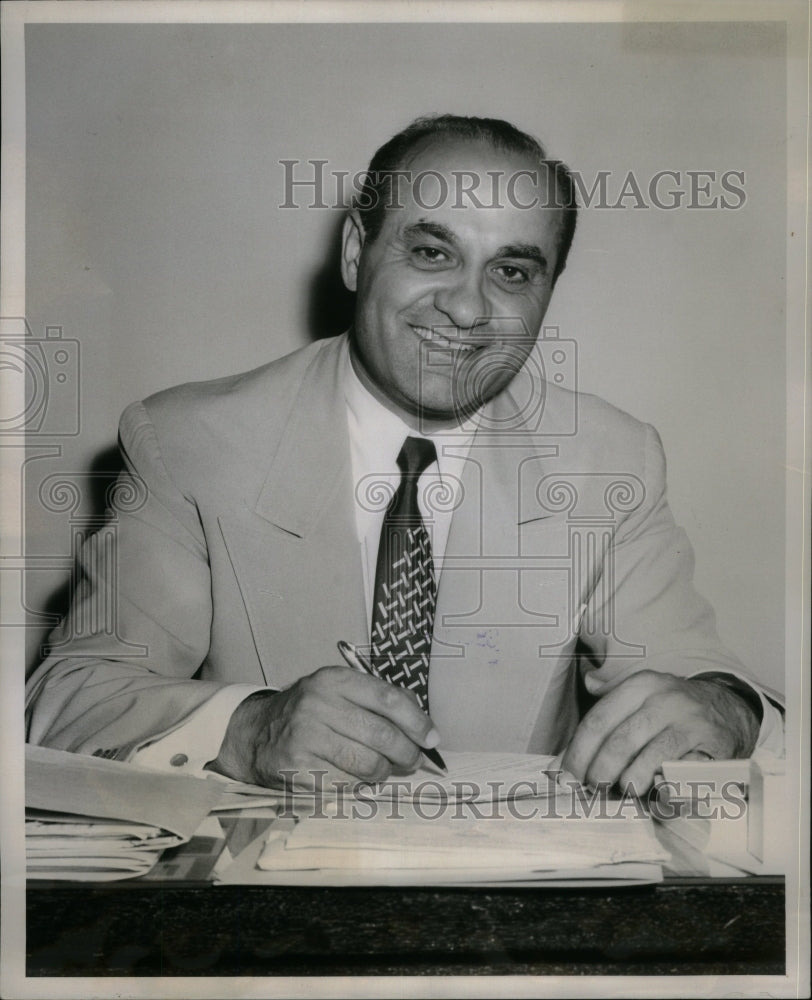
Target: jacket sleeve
x: 644, y: 612
x: 120, y: 669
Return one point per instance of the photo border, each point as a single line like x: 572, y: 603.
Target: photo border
x: 12, y: 284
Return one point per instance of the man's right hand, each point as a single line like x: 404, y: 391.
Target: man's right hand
x: 337, y: 720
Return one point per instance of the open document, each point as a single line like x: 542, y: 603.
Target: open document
x: 473, y: 776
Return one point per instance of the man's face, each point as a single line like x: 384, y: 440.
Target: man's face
x: 450, y: 299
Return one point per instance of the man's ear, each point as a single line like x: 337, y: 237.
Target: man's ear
x: 352, y: 243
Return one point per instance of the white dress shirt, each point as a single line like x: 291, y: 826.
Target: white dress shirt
x: 376, y: 475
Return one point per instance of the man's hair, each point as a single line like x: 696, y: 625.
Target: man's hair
x: 376, y: 192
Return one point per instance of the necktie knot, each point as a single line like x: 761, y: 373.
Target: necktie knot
x: 415, y: 456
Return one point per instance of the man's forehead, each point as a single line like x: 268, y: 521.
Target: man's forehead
x: 448, y: 192
x: 447, y: 153
x: 458, y: 181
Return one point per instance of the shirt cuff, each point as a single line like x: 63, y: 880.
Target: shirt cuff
x: 197, y: 740
x: 771, y: 733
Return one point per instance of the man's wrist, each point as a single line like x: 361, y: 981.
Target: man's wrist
x: 237, y: 753
x: 747, y: 693
x: 740, y: 705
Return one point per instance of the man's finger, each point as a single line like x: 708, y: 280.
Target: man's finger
x: 658, y: 712
x: 322, y: 775
x: 390, y: 702
x: 365, y: 727
x: 602, y: 719
x: 314, y: 756
x: 355, y: 758
x: 669, y: 744
x: 622, y: 745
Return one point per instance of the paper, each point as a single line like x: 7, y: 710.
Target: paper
x: 90, y: 786
x: 457, y: 840
x: 477, y: 777
x: 94, y: 819
x: 462, y: 828
x: 244, y: 871
x: 473, y: 776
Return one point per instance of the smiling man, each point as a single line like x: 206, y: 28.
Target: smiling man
x: 419, y: 488
x: 473, y: 280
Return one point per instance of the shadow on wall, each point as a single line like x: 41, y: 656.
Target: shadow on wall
x: 102, y: 473
x: 331, y: 306
x: 329, y: 313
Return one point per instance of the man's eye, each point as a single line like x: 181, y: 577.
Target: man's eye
x: 512, y: 275
x: 430, y: 255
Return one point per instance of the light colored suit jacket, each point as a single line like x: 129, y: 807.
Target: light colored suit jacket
x: 232, y: 556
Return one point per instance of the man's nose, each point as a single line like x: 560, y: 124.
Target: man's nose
x: 463, y: 301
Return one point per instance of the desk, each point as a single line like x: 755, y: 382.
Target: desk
x: 173, y: 922
x: 680, y: 927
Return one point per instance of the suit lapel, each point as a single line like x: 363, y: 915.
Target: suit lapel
x: 313, y: 454
x: 296, y: 553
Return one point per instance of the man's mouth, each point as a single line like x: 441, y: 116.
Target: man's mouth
x: 426, y: 333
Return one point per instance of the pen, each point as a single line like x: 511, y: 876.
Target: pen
x: 356, y: 659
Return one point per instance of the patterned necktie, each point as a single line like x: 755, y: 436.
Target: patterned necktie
x: 405, y: 589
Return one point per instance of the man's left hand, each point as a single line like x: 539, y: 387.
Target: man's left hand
x: 651, y: 717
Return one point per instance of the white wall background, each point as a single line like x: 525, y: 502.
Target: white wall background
x: 155, y: 240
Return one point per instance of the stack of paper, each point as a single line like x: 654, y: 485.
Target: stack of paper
x: 504, y: 843
x: 494, y: 819
x: 99, y: 820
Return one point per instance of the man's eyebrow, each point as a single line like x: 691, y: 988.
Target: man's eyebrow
x: 524, y: 251
x: 434, y: 229
x: 521, y: 251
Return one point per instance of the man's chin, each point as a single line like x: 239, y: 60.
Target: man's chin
x: 443, y: 405
x: 458, y: 394
x: 446, y: 412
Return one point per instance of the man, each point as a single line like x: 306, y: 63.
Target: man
x: 549, y: 579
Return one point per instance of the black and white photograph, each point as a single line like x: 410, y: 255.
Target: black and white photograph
x: 405, y: 510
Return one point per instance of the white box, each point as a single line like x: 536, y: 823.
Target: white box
x: 768, y: 814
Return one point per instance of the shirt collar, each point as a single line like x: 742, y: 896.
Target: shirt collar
x: 381, y: 447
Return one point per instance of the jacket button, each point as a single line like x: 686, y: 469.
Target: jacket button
x: 179, y: 760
